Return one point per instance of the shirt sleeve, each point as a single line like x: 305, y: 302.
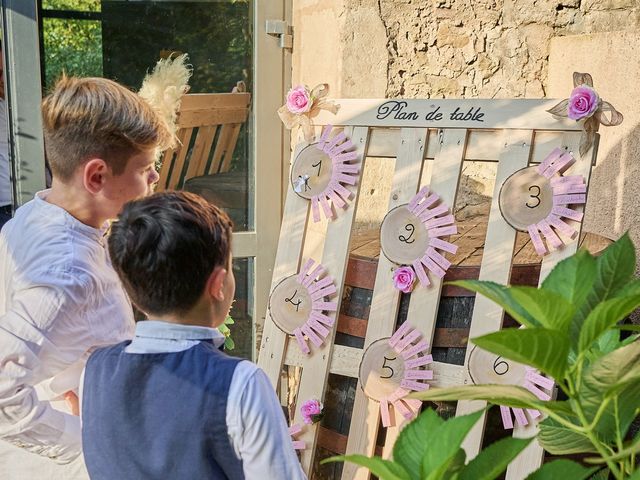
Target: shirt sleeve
x: 25, y: 337
x: 258, y: 429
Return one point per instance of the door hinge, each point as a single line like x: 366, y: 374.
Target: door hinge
x: 282, y: 30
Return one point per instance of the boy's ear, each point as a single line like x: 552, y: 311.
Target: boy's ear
x: 215, y: 283
x: 94, y: 174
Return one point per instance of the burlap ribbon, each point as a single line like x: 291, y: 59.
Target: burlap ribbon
x: 319, y: 102
x: 592, y: 123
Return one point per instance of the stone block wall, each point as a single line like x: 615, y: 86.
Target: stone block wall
x: 484, y: 49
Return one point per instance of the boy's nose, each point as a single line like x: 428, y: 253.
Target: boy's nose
x: 154, y: 177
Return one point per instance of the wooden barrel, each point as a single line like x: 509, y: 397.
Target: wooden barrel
x: 451, y: 333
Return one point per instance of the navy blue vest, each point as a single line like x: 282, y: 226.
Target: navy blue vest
x: 158, y: 415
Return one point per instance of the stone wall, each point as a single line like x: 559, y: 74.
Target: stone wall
x: 477, y: 48
x: 442, y: 48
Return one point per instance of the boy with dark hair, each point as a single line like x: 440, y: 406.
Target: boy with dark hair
x: 59, y: 296
x: 169, y: 404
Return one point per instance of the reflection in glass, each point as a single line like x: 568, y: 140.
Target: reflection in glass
x: 242, y: 330
x: 123, y: 40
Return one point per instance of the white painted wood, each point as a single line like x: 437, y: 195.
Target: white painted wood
x: 446, y: 168
x: 315, y: 368
x: 384, y: 304
x: 482, y: 145
x: 514, y: 147
x: 274, y: 340
x: 532, y: 457
x: 496, y: 114
x: 346, y: 360
x: 424, y: 303
x: 244, y: 244
x: 495, y: 266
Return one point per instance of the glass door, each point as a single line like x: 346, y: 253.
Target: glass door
x: 227, y: 46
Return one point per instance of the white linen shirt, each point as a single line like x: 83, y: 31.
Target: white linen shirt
x: 59, y: 298
x: 255, y: 421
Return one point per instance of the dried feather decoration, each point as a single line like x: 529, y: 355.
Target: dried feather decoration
x: 163, y: 88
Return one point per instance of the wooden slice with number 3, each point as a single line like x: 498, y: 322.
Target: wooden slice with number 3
x: 526, y: 198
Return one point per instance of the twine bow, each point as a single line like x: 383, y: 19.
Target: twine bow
x: 592, y: 121
x: 318, y: 101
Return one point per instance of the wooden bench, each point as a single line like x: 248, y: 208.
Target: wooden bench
x: 208, y: 129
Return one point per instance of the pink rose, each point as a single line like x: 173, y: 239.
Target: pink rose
x: 311, y: 411
x: 582, y: 103
x: 403, y: 279
x: 299, y: 100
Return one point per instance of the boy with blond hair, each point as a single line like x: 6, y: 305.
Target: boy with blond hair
x: 59, y: 296
x: 169, y: 404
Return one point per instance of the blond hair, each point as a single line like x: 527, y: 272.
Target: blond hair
x: 98, y: 118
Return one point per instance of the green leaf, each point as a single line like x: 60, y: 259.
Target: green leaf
x: 548, y: 308
x: 507, y: 395
x: 545, y: 349
x: 501, y: 295
x: 559, y: 440
x: 617, y: 373
x: 631, y: 288
x: 572, y: 277
x: 414, y: 440
x: 601, y: 475
x: 494, y: 459
x: 614, y: 270
x: 383, y: 469
x: 442, y: 453
x: 450, y: 468
x: 562, y: 469
x: 613, y: 371
x: 608, y: 342
x: 604, y: 316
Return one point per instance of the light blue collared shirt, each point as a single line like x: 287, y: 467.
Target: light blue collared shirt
x: 255, y: 422
x: 153, y: 336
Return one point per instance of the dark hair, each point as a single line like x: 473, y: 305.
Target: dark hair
x: 165, y: 247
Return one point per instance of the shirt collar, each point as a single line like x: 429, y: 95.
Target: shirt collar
x: 53, y: 211
x: 174, y: 331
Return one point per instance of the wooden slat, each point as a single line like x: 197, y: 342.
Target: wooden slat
x: 335, y: 442
x: 221, y: 147
x: 361, y: 272
x: 530, y: 459
x: 200, y: 153
x: 346, y: 362
x: 352, y: 326
x: 215, y: 116
x: 482, y: 145
x: 230, y: 147
x: 384, y: 304
x: 423, y: 307
x: 424, y: 302
x: 315, y: 370
x: 274, y: 340
x: 498, y: 114
x: 184, y: 136
x: 204, y: 101
x: 443, y: 337
x: 166, y: 159
x: 500, y: 239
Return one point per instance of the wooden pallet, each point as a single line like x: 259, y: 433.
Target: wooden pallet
x: 514, y: 134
